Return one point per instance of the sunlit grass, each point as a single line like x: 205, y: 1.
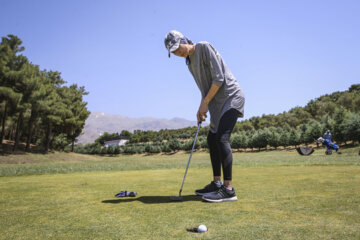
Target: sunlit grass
x: 70, y: 162
x: 275, y: 202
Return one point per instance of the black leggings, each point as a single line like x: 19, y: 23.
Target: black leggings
x: 220, y: 150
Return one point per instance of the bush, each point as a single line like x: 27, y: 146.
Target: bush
x: 204, y: 143
x: 187, y: 146
x: 184, y: 135
x: 110, y: 150
x: 116, y: 149
x: 238, y: 140
x: 313, y: 131
x: 159, y: 139
x: 284, y: 139
x: 339, y: 117
x: 104, y: 150
x: 261, y: 138
x: 351, y: 127
x: 294, y: 138
x: 68, y: 148
x: 147, y: 148
x: 274, y: 140
x: 60, y: 142
x: 165, y: 148
x: 96, y: 149
x: 129, y: 149
x: 155, y: 149
x: 174, y: 144
x: 139, y: 149
x: 80, y: 148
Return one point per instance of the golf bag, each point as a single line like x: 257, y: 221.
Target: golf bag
x: 329, y: 145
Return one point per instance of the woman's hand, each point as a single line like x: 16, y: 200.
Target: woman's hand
x: 203, y: 109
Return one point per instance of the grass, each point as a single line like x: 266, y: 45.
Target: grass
x: 281, y: 196
x: 29, y: 164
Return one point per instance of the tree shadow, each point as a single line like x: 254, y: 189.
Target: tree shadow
x: 6, y: 148
x: 154, y: 199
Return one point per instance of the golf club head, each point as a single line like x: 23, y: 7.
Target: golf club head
x: 176, y: 198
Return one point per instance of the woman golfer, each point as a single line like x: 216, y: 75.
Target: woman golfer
x: 223, y: 98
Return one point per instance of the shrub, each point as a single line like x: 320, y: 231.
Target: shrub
x: 294, y: 138
x: 104, y: 150
x: 60, y: 141
x: 147, y: 148
x: 174, y: 144
x: 110, y: 150
x: 96, y: 149
x: 139, y: 149
x: 116, y: 149
x: 155, y: 149
x: 313, y: 131
x: 129, y: 150
x: 165, y: 148
x: 187, y: 146
x: 238, y: 140
x: 284, y: 139
x: 261, y: 138
x: 351, y: 127
x: 184, y: 135
x: 204, y: 143
x: 274, y: 140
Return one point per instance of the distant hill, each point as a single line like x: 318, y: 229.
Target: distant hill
x: 99, y: 122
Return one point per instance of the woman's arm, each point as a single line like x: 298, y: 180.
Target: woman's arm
x: 203, y: 109
x: 212, y: 92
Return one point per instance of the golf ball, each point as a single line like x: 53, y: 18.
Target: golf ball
x: 202, y: 228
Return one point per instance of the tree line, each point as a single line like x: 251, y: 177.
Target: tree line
x: 338, y: 112
x: 345, y: 128
x: 327, y: 106
x: 36, y: 107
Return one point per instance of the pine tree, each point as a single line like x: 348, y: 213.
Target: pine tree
x: 75, y: 120
x: 10, y: 64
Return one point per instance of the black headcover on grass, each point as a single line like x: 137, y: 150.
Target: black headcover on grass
x: 305, y: 150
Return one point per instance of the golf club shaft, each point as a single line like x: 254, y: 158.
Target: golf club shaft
x: 197, y: 132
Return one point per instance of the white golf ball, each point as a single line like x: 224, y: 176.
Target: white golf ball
x: 202, y: 228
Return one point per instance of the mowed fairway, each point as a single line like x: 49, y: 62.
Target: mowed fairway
x: 282, y: 195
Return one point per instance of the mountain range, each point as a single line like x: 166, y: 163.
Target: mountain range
x: 99, y: 122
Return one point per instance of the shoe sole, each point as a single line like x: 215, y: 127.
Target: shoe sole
x: 203, y: 194
x: 221, y: 200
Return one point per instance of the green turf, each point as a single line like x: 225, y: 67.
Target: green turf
x: 69, y: 163
x: 280, y: 196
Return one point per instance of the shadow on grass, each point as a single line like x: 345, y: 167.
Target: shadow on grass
x: 153, y: 199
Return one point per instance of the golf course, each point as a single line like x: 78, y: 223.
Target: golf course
x: 177, y: 120
x: 282, y: 195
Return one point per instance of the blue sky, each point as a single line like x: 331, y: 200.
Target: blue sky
x: 283, y: 53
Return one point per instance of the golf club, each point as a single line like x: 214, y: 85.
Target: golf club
x: 179, y: 198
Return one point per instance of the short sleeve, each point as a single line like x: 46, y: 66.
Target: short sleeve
x: 212, y: 59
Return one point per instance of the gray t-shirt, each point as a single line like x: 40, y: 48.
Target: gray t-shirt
x: 207, y: 67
